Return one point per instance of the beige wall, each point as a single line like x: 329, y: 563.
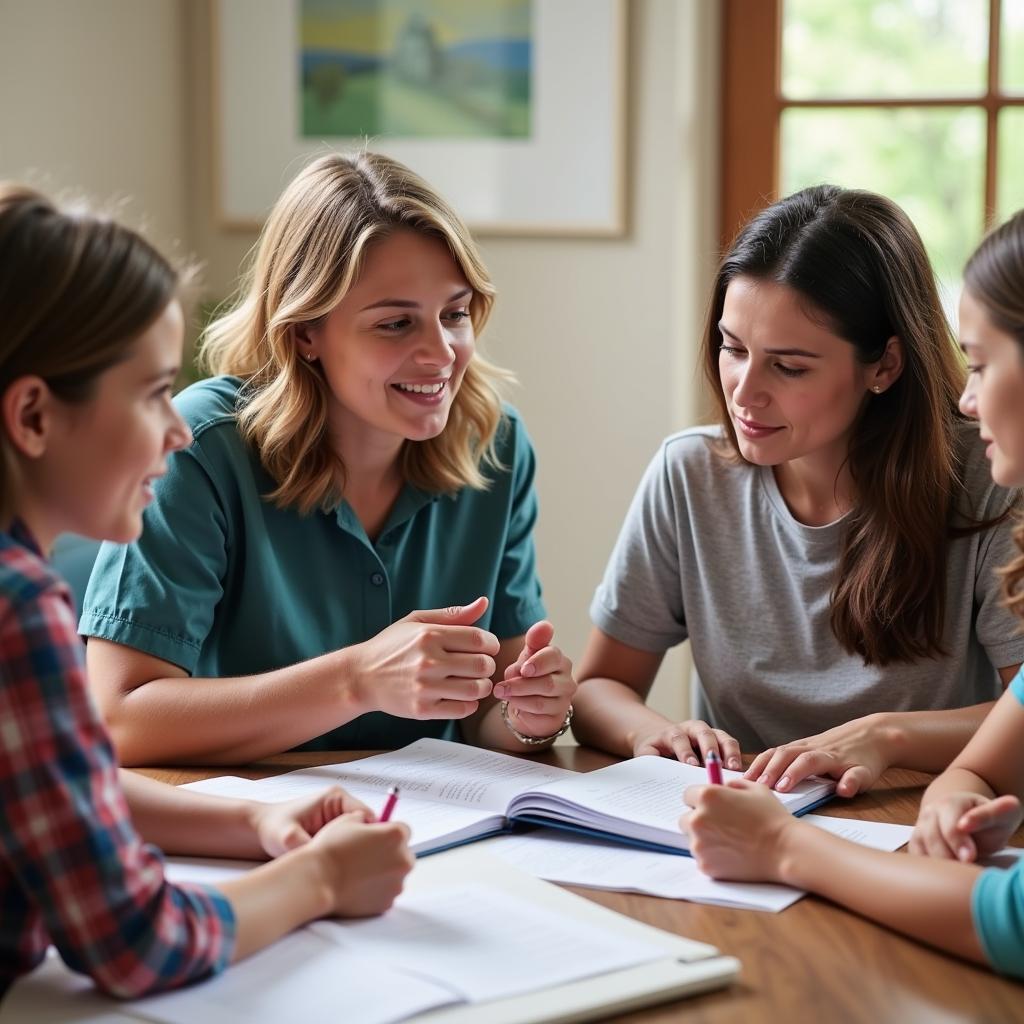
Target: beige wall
x: 92, y: 98
x: 602, y: 333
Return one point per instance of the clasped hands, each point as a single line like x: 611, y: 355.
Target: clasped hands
x: 437, y: 665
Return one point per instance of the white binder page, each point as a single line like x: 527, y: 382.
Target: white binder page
x: 484, y: 944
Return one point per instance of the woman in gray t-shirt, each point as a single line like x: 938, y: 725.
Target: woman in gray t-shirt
x: 829, y: 548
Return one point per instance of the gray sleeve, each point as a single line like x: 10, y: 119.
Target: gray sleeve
x: 640, y: 600
x: 997, y: 628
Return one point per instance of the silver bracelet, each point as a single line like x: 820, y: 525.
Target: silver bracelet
x: 534, y: 741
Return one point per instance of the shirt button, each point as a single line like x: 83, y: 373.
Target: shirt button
x: 377, y: 579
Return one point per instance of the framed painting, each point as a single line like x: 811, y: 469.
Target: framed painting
x: 512, y: 109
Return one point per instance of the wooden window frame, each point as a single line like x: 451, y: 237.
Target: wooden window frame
x: 752, y: 106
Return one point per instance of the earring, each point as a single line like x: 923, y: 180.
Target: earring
x: 309, y: 357
x: 877, y: 388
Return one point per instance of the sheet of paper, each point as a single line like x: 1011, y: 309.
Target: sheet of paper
x: 596, y: 864
x: 484, y: 944
x: 879, y: 835
x: 303, y: 977
x: 206, y: 870
x: 224, y: 785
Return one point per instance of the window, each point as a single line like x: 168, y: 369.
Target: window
x: 922, y: 100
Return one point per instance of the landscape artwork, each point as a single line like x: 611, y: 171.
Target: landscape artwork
x: 415, y: 68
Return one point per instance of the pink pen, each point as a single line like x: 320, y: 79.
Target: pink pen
x: 389, y: 805
x: 714, y: 767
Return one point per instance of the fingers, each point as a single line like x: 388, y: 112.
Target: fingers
x: 463, y: 666
x: 853, y: 781
x: 1000, y: 811
x: 935, y: 843
x: 758, y: 765
x: 449, y: 698
x: 692, y: 795
x: 548, y: 685
x: 690, y: 742
x: 539, y: 636
x: 331, y: 803
x: 456, y: 615
x: 466, y: 640
x: 293, y: 836
x: 452, y: 710
x: 545, y: 661
x: 789, y: 765
x: 966, y: 849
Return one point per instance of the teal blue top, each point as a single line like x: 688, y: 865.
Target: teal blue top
x: 997, y: 902
x: 225, y: 583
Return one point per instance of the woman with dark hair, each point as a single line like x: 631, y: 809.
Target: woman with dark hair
x: 828, y: 549
x: 91, y: 334
x: 969, y: 812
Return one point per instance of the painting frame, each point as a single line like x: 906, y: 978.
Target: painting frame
x: 567, y: 180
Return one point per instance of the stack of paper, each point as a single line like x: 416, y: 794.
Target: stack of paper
x: 469, y: 939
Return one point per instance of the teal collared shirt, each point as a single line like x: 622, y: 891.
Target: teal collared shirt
x: 224, y: 583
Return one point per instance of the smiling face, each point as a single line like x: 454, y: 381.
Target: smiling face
x: 101, y: 456
x: 394, y: 350
x: 994, y: 394
x: 793, y: 388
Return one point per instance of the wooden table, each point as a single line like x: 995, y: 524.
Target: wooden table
x: 813, y: 962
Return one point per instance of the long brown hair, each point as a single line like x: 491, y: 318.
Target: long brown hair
x: 309, y: 254
x: 861, y: 268
x: 994, y: 276
x: 76, y: 290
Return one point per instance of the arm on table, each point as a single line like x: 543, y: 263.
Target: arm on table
x: 428, y: 665
x: 857, y: 752
x: 973, y: 807
x: 741, y: 832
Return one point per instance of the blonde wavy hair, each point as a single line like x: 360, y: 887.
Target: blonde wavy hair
x: 309, y: 254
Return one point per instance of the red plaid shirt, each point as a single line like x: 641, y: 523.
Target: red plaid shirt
x: 73, y: 870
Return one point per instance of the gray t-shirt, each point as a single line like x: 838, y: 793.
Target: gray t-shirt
x: 710, y: 552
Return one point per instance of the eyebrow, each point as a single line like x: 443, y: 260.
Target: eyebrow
x: 410, y: 304
x: 773, y: 351
x: 171, y: 372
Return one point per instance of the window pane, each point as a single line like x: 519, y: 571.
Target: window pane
x: 1011, y: 40
x: 879, y: 48
x: 931, y: 162
x: 1011, y: 162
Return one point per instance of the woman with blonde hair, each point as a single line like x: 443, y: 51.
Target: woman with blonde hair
x: 343, y: 556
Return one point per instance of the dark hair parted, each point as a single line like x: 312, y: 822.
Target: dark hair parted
x: 994, y: 276
x: 860, y: 265
x: 76, y: 290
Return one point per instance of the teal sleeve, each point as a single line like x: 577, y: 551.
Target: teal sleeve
x: 997, y: 908
x: 1017, y: 685
x: 518, y: 603
x: 159, y: 593
x: 997, y: 902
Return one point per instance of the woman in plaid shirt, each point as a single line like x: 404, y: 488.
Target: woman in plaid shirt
x: 90, y: 343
